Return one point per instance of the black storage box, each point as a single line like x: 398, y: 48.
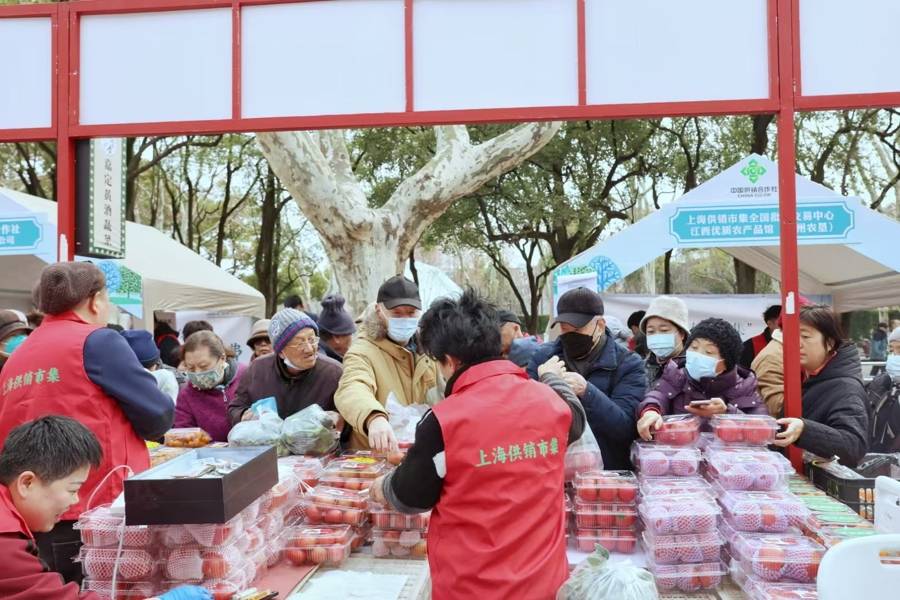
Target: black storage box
x: 154, y: 497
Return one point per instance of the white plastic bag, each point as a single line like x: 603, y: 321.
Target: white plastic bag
x: 403, y: 419
x: 596, y: 579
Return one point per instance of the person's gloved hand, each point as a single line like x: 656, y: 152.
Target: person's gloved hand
x: 187, y: 592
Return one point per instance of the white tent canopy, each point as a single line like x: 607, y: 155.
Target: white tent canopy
x: 845, y: 248
x: 174, y: 277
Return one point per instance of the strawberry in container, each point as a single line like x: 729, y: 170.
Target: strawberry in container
x: 399, y: 544
x: 657, y: 460
x: 678, y: 430
x: 307, y: 545
x: 778, y: 557
x: 763, y: 512
x: 336, y: 506
x: 605, y: 516
x: 747, y: 468
x: 606, y: 486
x: 383, y: 518
x: 100, y: 528
x: 198, y: 563
x: 615, y: 540
x: 753, y: 430
x: 688, y: 577
x: 125, y: 590
x: 684, y: 549
x: 133, y: 565
x: 680, y: 514
x: 665, y: 486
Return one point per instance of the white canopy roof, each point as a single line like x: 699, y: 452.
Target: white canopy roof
x: 175, y: 278
x: 845, y: 248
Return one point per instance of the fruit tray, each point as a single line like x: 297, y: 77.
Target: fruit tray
x: 666, y: 486
x: 614, y: 540
x: 186, y: 437
x: 744, y: 468
x: 355, y: 467
x: 606, y: 486
x: 100, y: 528
x: 678, y: 430
x: 134, y: 565
x: 688, y: 577
x: 605, y: 516
x: 680, y: 514
x: 387, y: 519
x: 778, y: 558
x: 764, y: 512
x: 398, y: 544
x: 681, y: 549
x: 753, y: 430
x: 657, y: 460
x: 333, y: 515
x: 316, y: 545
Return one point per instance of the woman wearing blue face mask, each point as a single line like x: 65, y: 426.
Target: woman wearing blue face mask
x: 884, y: 402
x: 707, y: 382
x: 666, y: 326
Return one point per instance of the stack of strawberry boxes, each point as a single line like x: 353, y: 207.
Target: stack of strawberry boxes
x: 678, y: 509
x: 605, y: 508
x: 770, y: 556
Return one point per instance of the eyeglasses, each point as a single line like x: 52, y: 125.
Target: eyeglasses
x: 311, y: 344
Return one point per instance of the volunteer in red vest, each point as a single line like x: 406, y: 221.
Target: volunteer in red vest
x: 488, y: 459
x: 755, y: 345
x: 72, y: 365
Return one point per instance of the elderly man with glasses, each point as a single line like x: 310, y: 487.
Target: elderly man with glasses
x: 295, y: 374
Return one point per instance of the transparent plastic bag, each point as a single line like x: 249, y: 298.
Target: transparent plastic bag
x: 310, y: 431
x: 596, y: 579
x: 403, y: 419
x: 265, y: 431
x: 583, y: 454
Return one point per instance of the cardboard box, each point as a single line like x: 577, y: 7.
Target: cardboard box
x: 155, y: 497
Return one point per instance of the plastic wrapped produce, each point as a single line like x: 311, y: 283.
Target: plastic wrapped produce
x: 680, y: 514
x: 596, y: 579
x: 763, y: 512
x: 606, y: 486
x: 310, y: 431
x: 746, y: 468
x: 678, y: 430
x: 657, y: 460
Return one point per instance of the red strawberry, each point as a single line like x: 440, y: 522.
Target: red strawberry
x: 768, y: 562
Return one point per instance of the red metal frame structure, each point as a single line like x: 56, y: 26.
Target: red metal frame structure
x: 785, y: 96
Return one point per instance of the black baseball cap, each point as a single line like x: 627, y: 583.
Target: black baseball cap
x: 577, y: 307
x: 508, y: 316
x: 399, y: 291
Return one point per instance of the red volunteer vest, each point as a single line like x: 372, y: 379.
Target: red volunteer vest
x: 46, y: 376
x: 498, y: 529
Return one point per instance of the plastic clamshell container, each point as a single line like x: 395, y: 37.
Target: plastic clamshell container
x: 136, y: 590
x: 100, y: 528
x: 605, y: 516
x: 134, y: 565
x: 680, y: 514
x: 666, y: 486
x: 778, y: 558
x: 387, y: 519
x: 615, y: 540
x: 764, y: 512
x: 606, y: 486
x: 680, y: 549
x: 316, y: 513
x: 657, y: 460
x: 678, y: 430
x: 746, y: 468
x: 399, y: 544
x: 752, y: 430
x: 187, y: 437
x: 688, y: 577
x: 355, y: 467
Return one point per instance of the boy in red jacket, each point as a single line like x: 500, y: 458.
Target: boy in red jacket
x: 42, y: 468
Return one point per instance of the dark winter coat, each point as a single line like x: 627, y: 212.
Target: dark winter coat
x: 616, y: 384
x: 836, y: 422
x: 675, y: 390
x: 884, y: 414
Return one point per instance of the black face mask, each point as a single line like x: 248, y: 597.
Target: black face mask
x: 577, y: 345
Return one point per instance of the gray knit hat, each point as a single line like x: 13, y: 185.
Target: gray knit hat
x: 895, y: 336
x: 287, y: 323
x: 65, y: 285
x: 669, y: 308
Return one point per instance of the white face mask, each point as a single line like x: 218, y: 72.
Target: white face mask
x: 893, y: 366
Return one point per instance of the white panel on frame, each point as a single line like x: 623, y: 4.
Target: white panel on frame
x: 849, y: 47
x: 471, y: 54
x: 156, y: 67
x: 26, y: 96
x: 323, y: 58
x: 655, y: 51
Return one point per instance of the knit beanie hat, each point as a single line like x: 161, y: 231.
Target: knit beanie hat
x: 287, y: 323
x: 895, y: 336
x: 669, y: 308
x: 64, y: 285
x: 334, y: 318
x: 143, y: 345
x: 723, y: 335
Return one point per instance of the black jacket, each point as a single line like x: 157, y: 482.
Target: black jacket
x: 884, y: 414
x: 836, y: 422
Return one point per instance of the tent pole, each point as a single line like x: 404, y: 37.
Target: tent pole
x: 787, y: 200
x: 65, y: 145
